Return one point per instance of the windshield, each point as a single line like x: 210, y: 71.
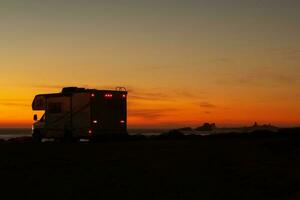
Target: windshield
x: 42, y: 119
x: 40, y: 115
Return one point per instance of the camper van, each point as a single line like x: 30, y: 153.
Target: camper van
x: 79, y: 113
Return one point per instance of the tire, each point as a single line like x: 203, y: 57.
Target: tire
x: 36, y: 137
x: 68, y: 136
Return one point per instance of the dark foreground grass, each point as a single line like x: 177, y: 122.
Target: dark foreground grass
x: 191, y: 168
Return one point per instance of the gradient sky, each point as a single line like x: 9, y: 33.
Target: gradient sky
x: 184, y: 62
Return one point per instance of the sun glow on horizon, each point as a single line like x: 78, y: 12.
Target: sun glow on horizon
x: 156, y: 109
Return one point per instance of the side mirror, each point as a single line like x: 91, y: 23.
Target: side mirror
x: 35, y: 118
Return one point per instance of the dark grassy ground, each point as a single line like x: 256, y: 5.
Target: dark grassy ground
x: 187, y: 168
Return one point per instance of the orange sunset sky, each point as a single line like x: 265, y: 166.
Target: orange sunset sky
x: 183, y: 62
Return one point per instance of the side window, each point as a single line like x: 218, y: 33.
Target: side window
x: 54, y: 108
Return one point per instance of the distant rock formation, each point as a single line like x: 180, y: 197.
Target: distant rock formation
x: 207, y: 127
x: 212, y: 129
x: 264, y: 127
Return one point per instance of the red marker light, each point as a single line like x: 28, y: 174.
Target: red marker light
x: 124, y: 96
x: 90, y: 132
x: 122, y: 121
x: 95, y: 121
x: 108, y: 95
x: 92, y: 95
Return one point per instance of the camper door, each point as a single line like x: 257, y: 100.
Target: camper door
x: 81, y: 114
x: 58, y: 116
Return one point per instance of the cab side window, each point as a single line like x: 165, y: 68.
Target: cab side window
x: 54, y: 108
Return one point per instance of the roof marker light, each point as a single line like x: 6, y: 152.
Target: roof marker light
x: 108, y: 95
x: 124, y: 95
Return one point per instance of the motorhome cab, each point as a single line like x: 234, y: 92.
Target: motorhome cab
x: 80, y: 113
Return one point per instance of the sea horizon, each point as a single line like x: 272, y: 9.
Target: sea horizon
x: 7, y: 133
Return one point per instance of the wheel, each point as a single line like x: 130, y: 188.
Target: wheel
x: 36, y: 137
x: 68, y: 136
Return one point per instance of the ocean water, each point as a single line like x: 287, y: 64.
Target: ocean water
x: 7, y: 133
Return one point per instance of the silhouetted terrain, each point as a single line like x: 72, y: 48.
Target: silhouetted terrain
x: 260, y: 165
